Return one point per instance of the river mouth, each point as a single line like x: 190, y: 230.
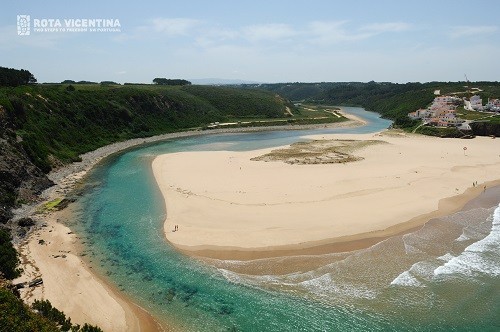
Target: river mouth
x: 387, y: 286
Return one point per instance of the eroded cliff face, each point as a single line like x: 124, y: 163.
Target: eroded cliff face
x: 20, y: 180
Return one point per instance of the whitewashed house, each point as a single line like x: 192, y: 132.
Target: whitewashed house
x: 493, y: 105
x: 442, y: 112
x: 474, y: 104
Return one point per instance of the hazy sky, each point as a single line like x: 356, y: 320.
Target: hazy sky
x: 266, y: 41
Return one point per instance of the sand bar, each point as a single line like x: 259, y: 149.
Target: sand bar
x: 225, y: 202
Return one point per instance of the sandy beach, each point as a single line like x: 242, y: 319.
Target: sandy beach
x: 68, y: 283
x: 227, y: 205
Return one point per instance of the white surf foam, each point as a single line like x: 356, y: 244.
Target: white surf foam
x: 235, y: 278
x: 326, y: 286
x: 409, y: 249
x: 407, y: 280
x: 446, y: 257
x: 423, y: 270
x: 481, y: 257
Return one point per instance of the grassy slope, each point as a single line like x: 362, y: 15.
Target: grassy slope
x: 238, y: 103
x: 55, y: 122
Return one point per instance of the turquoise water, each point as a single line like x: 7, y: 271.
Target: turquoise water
x: 441, y: 277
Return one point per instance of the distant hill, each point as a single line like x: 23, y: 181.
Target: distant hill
x: 391, y: 100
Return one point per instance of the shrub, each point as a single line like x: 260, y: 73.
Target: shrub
x: 8, y: 257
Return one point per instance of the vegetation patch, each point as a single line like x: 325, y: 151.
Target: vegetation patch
x: 319, y: 152
x: 52, y: 205
x: 46, y: 310
x: 450, y: 132
x: 18, y: 317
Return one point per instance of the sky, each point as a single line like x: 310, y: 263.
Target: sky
x: 260, y: 40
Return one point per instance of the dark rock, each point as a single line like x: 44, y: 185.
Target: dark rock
x: 20, y: 285
x: 26, y: 222
x: 21, y: 232
x: 35, y: 282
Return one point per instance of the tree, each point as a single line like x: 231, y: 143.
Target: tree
x: 166, y: 81
x: 8, y: 256
x: 30, y: 76
x: 15, y: 316
x: 45, y: 309
x: 15, y: 77
x: 109, y: 83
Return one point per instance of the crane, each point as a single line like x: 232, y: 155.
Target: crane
x: 467, y: 86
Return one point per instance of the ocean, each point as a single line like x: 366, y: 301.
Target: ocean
x: 444, y: 276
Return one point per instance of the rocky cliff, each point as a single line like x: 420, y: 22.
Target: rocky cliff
x: 20, y: 180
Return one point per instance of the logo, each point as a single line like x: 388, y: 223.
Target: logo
x: 23, y: 25
x: 27, y: 25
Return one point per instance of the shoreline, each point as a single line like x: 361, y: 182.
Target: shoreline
x: 52, y: 252
x: 284, y: 265
x: 340, y: 244
x: 40, y: 263
x: 244, y: 221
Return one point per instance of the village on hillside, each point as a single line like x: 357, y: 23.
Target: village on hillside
x: 443, y: 110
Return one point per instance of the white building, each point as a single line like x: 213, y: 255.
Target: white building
x: 474, y: 104
x: 493, y: 105
x: 442, y: 112
x: 443, y: 100
x: 444, y: 103
x: 420, y: 114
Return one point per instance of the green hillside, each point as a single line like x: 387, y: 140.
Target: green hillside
x: 63, y: 121
x: 240, y: 103
x: 392, y: 100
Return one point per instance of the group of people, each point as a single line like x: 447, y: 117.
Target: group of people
x: 176, y: 228
x: 474, y: 184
